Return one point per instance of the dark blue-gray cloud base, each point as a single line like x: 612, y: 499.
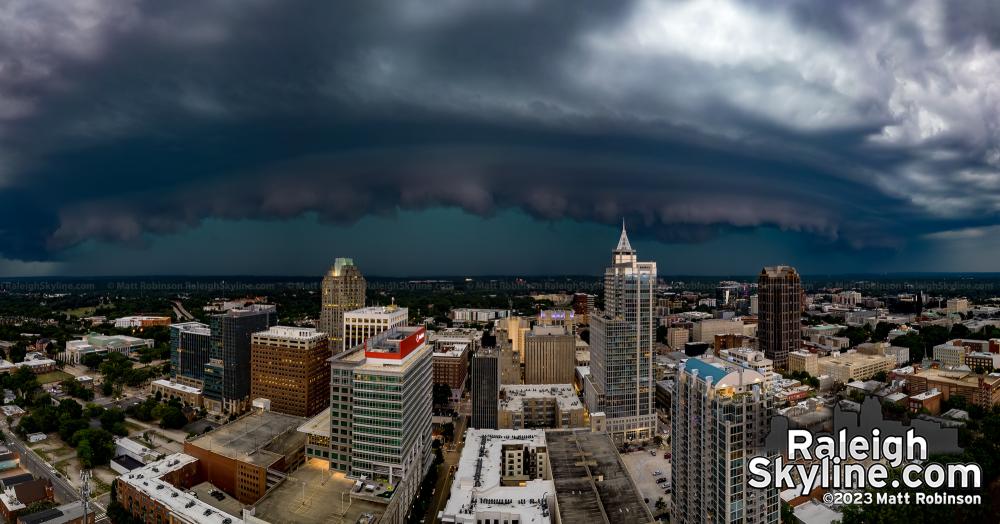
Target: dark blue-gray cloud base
x: 119, y: 120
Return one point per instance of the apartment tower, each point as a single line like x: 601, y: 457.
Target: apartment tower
x: 621, y: 347
x: 720, y: 418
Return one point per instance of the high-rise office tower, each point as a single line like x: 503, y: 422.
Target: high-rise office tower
x: 621, y: 347
x: 549, y: 356
x: 190, y: 348
x: 364, y: 323
x: 779, y: 305
x: 227, y: 374
x: 380, y: 412
x: 485, y: 388
x: 343, y: 290
x: 288, y: 366
x: 720, y: 418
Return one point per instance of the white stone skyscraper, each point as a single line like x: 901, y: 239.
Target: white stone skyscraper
x: 720, y: 417
x: 621, y: 347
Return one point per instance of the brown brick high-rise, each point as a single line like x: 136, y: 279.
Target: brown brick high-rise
x: 779, y: 329
x: 288, y: 366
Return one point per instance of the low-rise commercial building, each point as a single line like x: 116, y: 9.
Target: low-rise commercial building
x: 250, y: 455
x: 169, y: 389
x: 160, y: 492
x: 71, y: 513
x: 141, y: 322
x: 981, y: 362
x: 95, y: 343
x: 981, y: 390
x: 477, y: 315
x: 451, y: 367
x: 949, y: 354
x: 804, y: 361
x: 18, y: 497
x: 748, y: 358
x: 540, y: 406
x: 929, y: 400
x: 848, y: 367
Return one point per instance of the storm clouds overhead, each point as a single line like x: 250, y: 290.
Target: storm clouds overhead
x: 870, y: 127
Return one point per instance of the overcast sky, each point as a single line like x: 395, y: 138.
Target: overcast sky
x: 480, y: 137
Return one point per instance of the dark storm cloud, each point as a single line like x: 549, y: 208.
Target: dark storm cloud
x: 863, y: 124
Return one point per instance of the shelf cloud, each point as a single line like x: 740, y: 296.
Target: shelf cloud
x: 864, y: 124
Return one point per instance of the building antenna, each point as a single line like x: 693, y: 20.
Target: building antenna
x: 85, y: 492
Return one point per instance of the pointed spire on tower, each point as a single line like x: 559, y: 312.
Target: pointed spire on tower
x: 623, y: 243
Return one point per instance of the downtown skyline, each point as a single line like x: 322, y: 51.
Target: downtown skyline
x: 269, y: 138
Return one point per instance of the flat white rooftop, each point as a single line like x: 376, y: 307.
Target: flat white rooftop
x: 318, y: 425
x: 177, y: 386
x: 450, y: 350
x: 291, y: 333
x: 512, y: 396
x: 184, y: 506
x: 476, y: 489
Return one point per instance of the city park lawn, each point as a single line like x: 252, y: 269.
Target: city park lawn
x: 54, y: 376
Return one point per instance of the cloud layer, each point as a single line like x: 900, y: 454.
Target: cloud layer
x: 865, y: 124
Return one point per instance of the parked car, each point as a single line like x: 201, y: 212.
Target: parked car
x: 652, y: 452
x: 657, y: 473
x: 661, y: 480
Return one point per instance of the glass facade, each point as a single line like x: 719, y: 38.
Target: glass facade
x: 190, y: 348
x: 231, y: 334
x: 622, y: 346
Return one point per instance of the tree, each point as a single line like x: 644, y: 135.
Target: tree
x: 960, y: 331
x: 95, y: 447
x: 448, y: 431
x: 71, y: 407
x: 661, y: 504
x: 92, y: 360
x: 882, y: 330
x: 24, y: 381
x: 914, y: 342
x: 442, y: 394
x: 173, y: 418
x: 856, y: 334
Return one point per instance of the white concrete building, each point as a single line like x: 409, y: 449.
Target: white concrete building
x: 502, y: 476
x: 363, y: 324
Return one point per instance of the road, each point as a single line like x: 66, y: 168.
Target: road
x: 443, y: 486
x: 182, y: 314
x: 63, y: 491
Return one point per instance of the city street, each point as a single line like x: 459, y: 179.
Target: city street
x: 443, y: 486
x: 38, y: 467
